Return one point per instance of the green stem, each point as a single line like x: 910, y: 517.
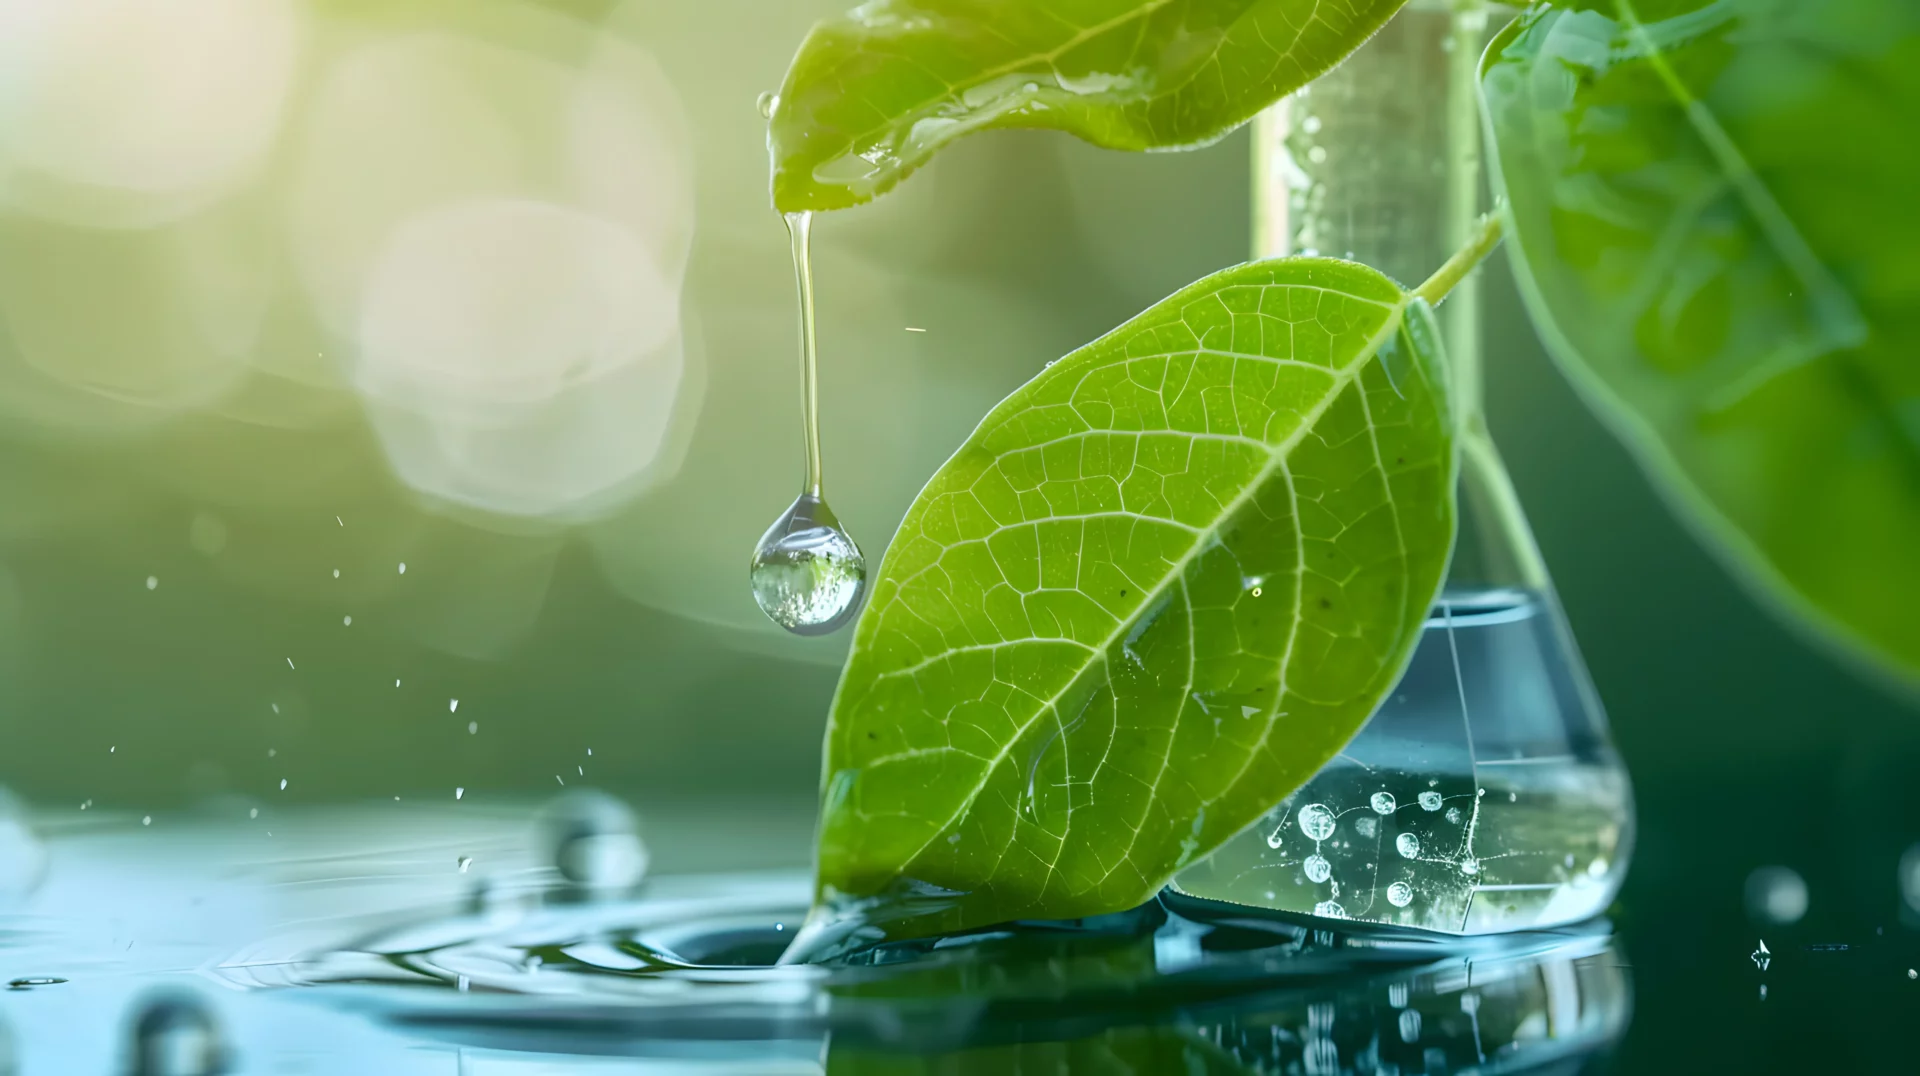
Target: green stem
x: 1486, y: 236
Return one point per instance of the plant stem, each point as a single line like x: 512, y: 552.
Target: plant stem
x: 1486, y: 236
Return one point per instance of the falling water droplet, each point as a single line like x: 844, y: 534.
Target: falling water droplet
x: 808, y: 573
x: 1317, y: 868
x: 1382, y: 803
x: 176, y: 1035
x: 1399, y: 894
x: 1407, y: 845
x: 766, y: 103
x: 1776, y: 896
x: 592, y: 840
x: 1430, y: 800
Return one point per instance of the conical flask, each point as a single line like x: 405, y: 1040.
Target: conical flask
x: 1484, y: 795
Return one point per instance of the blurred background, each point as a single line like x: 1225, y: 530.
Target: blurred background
x: 392, y: 391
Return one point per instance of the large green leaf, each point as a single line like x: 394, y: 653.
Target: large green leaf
x: 1155, y: 591
x: 1714, y: 209
x: 875, y: 93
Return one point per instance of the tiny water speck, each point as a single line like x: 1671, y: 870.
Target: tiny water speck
x: 473, y: 728
x: 153, y: 581
x: 1399, y: 894
x: 1316, y: 821
x: 457, y: 793
x: 336, y: 573
x: 346, y: 621
x: 1430, y: 800
x: 1382, y: 803
x: 453, y: 705
x: 1407, y: 845
x: 1761, y: 957
x: 807, y: 573
x: 283, y: 784
x: 1317, y: 868
x: 253, y: 812
x: 403, y: 567
x: 146, y: 820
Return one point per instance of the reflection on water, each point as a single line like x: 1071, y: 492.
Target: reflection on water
x: 462, y: 943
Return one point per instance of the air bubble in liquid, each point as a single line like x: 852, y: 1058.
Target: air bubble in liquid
x: 1316, y: 821
x: 807, y: 573
x: 1407, y: 845
x: 1382, y: 803
x: 1430, y: 800
x: 1317, y: 868
x: 1399, y: 894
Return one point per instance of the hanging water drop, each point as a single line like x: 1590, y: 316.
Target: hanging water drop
x: 766, y: 103
x: 808, y: 573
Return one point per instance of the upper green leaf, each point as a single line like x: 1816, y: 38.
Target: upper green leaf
x: 1155, y: 591
x: 872, y: 95
x: 1713, y: 206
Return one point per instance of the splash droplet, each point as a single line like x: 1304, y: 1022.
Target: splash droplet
x: 807, y: 573
x: 1399, y: 894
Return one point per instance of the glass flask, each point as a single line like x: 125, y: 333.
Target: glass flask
x: 1484, y: 795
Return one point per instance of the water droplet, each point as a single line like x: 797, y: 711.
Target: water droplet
x: 1469, y: 867
x: 253, y: 812
x: 1317, y: 868
x: 1454, y: 816
x: 283, y: 784
x: 176, y: 1035
x: 1382, y: 803
x: 336, y: 573
x: 1407, y: 845
x: 27, y: 982
x: 1776, y: 896
x: 766, y: 103
x: 346, y: 621
x: 473, y: 728
x: 807, y: 573
x: 593, y: 841
x: 146, y: 820
x: 1316, y: 821
x: 1317, y: 154
x: 1762, y: 957
x: 403, y: 567
x: 457, y: 793
x: 153, y: 581
x: 1329, y: 909
x: 1399, y: 894
x: 1410, y: 1026
x: 464, y: 863
x: 1430, y: 800
x: 453, y: 705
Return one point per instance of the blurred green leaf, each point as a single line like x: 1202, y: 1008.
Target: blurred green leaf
x: 1155, y: 591
x: 873, y: 94
x: 1714, y: 212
